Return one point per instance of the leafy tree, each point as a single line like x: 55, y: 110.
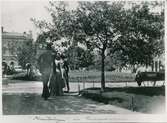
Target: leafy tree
x: 86, y: 58
x: 26, y: 53
x: 79, y: 57
x: 95, y: 21
x: 42, y: 37
x: 132, y: 33
x: 115, y: 61
x: 142, y: 32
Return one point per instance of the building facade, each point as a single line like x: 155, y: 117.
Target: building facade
x: 11, y: 42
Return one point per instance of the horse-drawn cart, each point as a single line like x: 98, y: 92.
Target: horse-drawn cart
x: 150, y: 76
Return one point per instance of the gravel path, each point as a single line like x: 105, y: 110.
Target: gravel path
x: 24, y: 98
x: 33, y: 104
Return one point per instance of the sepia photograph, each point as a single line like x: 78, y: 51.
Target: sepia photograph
x: 83, y: 58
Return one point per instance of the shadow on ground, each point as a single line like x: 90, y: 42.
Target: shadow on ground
x: 140, y: 99
x: 147, y: 91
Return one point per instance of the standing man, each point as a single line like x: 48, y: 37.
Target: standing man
x: 45, y: 67
x: 65, y: 66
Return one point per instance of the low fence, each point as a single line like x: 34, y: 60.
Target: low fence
x: 83, y: 84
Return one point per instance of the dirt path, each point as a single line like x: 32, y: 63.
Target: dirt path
x: 24, y: 98
x: 31, y: 104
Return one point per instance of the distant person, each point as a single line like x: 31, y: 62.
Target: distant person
x: 12, y: 69
x: 28, y: 69
x: 45, y: 64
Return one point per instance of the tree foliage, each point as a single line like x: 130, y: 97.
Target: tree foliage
x: 142, y: 33
x: 26, y: 53
x: 96, y: 23
x: 79, y: 57
x: 132, y: 35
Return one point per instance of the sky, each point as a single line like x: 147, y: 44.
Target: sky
x: 15, y: 15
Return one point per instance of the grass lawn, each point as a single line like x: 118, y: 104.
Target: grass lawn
x: 140, y: 99
x: 146, y: 91
x: 96, y: 76
x: 75, y: 76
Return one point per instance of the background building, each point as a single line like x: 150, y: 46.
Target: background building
x: 11, y: 42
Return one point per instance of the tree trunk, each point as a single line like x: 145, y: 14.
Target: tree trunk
x: 102, y: 70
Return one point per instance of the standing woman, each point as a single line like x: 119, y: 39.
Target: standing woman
x: 56, y: 81
x: 45, y: 67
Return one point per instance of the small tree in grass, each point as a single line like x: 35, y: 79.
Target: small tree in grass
x: 95, y: 21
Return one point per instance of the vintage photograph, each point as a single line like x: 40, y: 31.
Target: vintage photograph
x: 80, y: 57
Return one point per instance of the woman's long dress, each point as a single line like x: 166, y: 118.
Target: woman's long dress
x: 56, y: 82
